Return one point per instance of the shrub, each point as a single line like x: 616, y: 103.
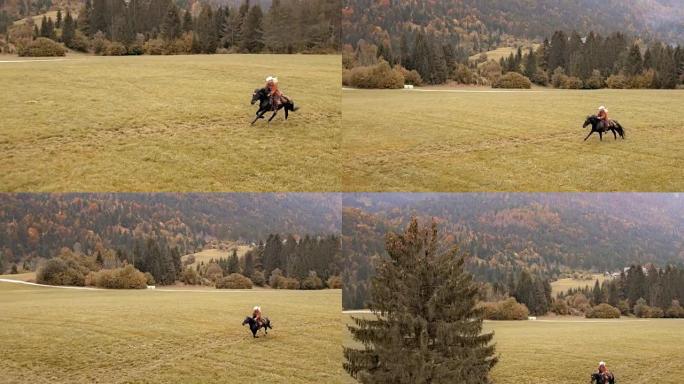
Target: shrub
x: 641, y: 309
x: 79, y: 42
x: 540, y: 77
x: 42, y: 47
x: 275, y: 275
x: 595, y: 81
x: 617, y: 82
x: 380, y: 76
x: 557, y: 80
x: 463, y: 75
x: 560, y: 307
x: 118, y: 278
x: 656, y: 313
x: 411, y: 77
x: 234, y: 281
x: 213, y: 272
x: 312, y: 281
x: 508, y: 309
x: 258, y: 278
x: 346, y: 77
x: 644, y: 80
x: 154, y: 47
x: 191, y: 277
x: 623, y: 306
x: 513, y: 80
x: 603, y: 311
x: 115, y: 49
x: 66, y: 269
x: 190, y: 259
x: 291, y: 283
x: 675, y: 310
x: 491, y: 70
x: 99, y: 43
x: 572, y: 82
x: 334, y: 282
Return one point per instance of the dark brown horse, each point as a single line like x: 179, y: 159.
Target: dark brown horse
x: 596, y: 126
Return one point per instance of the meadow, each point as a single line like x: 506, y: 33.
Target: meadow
x: 567, y: 350
x: 478, y: 139
x: 53, y: 335
x: 563, y: 285
x: 167, y: 123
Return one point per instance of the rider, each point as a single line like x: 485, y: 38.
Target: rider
x: 256, y: 315
x: 603, y: 376
x: 603, y: 116
x: 276, y: 96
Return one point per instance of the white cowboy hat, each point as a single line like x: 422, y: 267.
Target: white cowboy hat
x: 602, y: 108
x: 602, y: 364
x: 257, y: 308
x: 272, y: 78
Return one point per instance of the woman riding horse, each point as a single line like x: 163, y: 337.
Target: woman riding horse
x: 603, y: 115
x: 276, y: 96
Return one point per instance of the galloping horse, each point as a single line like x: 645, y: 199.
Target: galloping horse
x: 596, y: 127
x: 254, y: 327
x: 261, y: 95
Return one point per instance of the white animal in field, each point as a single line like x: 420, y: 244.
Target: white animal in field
x: 408, y: 86
x: 531, y: 317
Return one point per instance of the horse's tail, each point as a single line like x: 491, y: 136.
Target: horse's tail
x: 621, y: 130
x: 291, y: 106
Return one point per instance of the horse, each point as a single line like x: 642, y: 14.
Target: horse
x: 261, y: 95
x: 254, y: 327
x: 596, y: 126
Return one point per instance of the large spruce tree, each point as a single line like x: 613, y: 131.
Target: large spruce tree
x: 426, y: 326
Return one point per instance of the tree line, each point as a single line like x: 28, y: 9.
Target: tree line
x: 117, y: 27
x: 639, y: 290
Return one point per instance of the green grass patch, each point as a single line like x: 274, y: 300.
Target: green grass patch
x: 168, y: 123
x: 70, y: 336
x: 442, y: 141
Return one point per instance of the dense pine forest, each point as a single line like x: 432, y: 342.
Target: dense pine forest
x: 117, y: 27
x: 512, y: 238
x: 392, y: 43
x: 294, y: 233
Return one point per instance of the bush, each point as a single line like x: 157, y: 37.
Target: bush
x: 291, y: 283
x: 334, y: 282
x: 560, y: 307
x: 234, y: 281
x: 346, y: 77
x: 380, y: 76
x: 623, y: 306
x: 79, y: 42
x: 99, y: 43
x: 675, y: 310
x: 617, y: 82
x: 540, y: 77
x: 191, y: 277
x: 656, y: 313
x: 595, y: 81
x: 312, y: 281
x: 213, y: 272
x: 118, y: 278
x: 276, y: 274
x: 411, y: 77
x: 641, y: 309
x: 557, y: 80
x: 115, y: 49
x: 572, y: 82
x: 42, y: 47
x: 66, y: 269
x: 644, y: 80
x: 154, y: 47
x: 513, y: 80
x: 508, y: 309
x: 258, y: 278
x: 603, y: 311
x: 463, y: 75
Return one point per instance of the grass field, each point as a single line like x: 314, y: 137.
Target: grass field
x: 562, y: 285
x: 54, y: 335
x: 567, y: 350
x: 215, y: 254
x: 463, y: 141
x: 168, y: 123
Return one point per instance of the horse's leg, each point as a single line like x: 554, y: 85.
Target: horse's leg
x: 274, y: 115
x: 286, y: 113
x: 601, y: 135
x: 614, y: 134
x: 590, y: 133
x: 259, y: 115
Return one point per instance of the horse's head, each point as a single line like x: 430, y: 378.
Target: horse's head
x: 591, y: 120
x: 259, y: 94
x: 248, y: 320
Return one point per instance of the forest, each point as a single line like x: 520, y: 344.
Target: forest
x: 506, y: 236
x: 117, y: 27
x: 392, y: 39
x: 38, y: 226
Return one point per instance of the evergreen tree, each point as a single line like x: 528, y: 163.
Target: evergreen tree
x: 634, y: 64
x: 83, y: 20
x: 278, y: 28
x: 249, y: 264
x: 427, y: 326
x: 58, y: 21
x: 171, y: 27
x: 187, y: 21
x: 251, y: 31
x: 530, y: 64
x: 69, y: 29
x: 233, y: 263
x: 205, y: 31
